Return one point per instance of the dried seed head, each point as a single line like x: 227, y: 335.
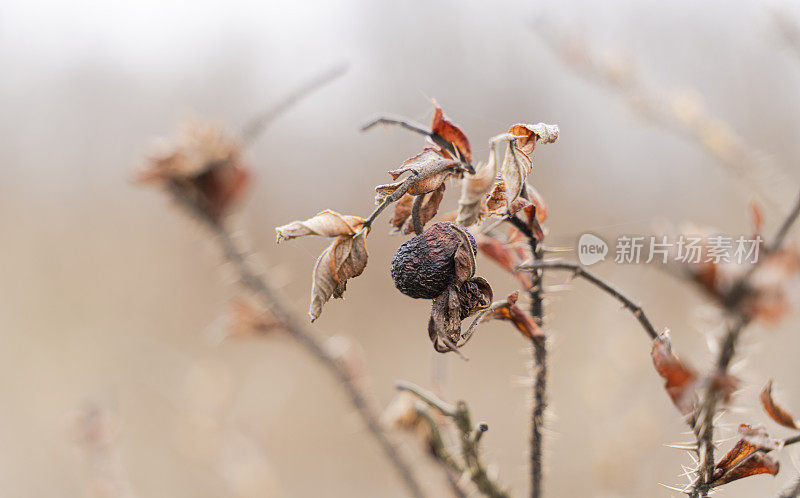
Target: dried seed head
x: 424, y: 266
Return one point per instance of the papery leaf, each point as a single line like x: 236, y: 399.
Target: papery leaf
x: 345, y: 258
x: 747, y: 456
x: 509, y: 311
x: 513, y: 174
x: 472, y: 204
x: 401, y: 220
x: 679, y: 379
x: 528, y: 134
x: 451, y: 133
x: 445, y: 320
x: 457, y: 303
x: 755, y: 464
x: 464, y: 256
x: 423, y: 164
x: 775, y: 411
x: 325, y: 224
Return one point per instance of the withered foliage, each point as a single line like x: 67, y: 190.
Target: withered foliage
x: 747, y: 457
x: 401, y: 220
x: 508, y: 310
x: 445, y: 130
x: 679, y: 380
x: 430, y: 165
x: 465, y: 296
x: 202, y: 168
x: 775, y: 411
x: 344, y: 259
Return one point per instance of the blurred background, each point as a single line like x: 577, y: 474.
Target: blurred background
x: 113, y: 375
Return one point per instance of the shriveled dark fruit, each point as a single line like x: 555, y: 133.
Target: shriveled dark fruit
x: 423, y: 267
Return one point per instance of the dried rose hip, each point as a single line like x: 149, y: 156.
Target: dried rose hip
x: 424, y: 266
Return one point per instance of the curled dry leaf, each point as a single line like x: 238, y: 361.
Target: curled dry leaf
x: 202, y: 168
x: 401, y: 220
x: 432, y: 168
x: 775, y: 411
x: 679, y: 380
x: 528, y: 134
x: 344, y: 259
x: 472, y: 204
x: 451, y: 134
x: 746, y: 458
x: 325, y: 224
x: 509, y: 311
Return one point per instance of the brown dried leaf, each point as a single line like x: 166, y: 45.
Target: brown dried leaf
x: 472, y: 204
x: 528, y: 134
x: 401, y: 220
x: 755, y: 464
x: 513, y: 174
x: 509, y: 311
x: 451, y: 133
x: 326, y: 224
x: 423, y: 164
x: 679, y: 379
x: 775, y: 411
x: 464, y: 256
x: 457, y: 303
x: 345, y: 258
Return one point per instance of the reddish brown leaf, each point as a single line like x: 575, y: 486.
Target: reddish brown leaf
x: 423, y: 164
x: 509, y: 311
x: 528, y: 134
x: 679, y: 379
x: 755, y: 464
x: 747, y: 457
x: 451, y: 134
x: 344, y: 259
x: 775, y: 411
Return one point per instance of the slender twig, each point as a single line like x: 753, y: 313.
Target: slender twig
x: 416, y: 128
x: 469, y: 436
x: 259, y: 123
x: 416, y: 220
x: 712, y: 396
x: 258, y: 284
x: 401, y: 190
x: 579, y: 271
x: 539, y: 348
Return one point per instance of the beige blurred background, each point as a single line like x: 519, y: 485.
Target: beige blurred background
x: 111, y: 298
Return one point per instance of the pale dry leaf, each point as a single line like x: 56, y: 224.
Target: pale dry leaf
x: 472, y: 204
x: 344, y: 259
x: 528, y: 134
x: 325, y: 224
x: 432, y: 168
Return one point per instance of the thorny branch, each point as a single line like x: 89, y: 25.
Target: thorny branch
x: 579, y: 271
x: 469, y: 436
x: 712, y: 396
x: 539, y: 348
x: 256, y: 283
